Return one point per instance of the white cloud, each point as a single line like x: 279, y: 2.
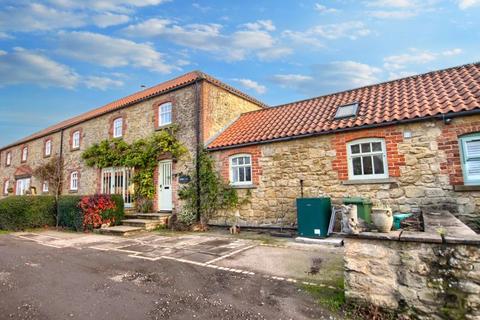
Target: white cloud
x: 315, y: 36
x: 252, y: 85
x: 330, y: 77
x: 111, y: 52
x: 251, y: 39
x: 324, y: 9
x: 23, y: 66
x: 392, y: 3
x: 102, y: 83
x: 38, y: 17
x: 399, y: 9
x: 261, y: 24
x: 398, y: 65
x: 466, y: 4
x: 109, y: 19
x: 107, y: 5
x: 4, y: 36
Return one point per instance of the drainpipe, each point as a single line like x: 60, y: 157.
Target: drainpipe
x: 198, y: 144
x: 60, y: 169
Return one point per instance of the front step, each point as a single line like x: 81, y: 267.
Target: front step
x: 153, y: 216
x: 145, y: 224
x: 121, y: 231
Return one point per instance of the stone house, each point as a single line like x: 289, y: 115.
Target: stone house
x: 412, y: 142
x: 198, y: 104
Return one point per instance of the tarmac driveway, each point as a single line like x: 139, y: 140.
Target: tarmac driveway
x: 52, y: 275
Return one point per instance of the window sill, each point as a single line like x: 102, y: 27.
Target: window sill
x: 369, y: 181
x: 460, y: 188
x: 245, y: 186
x: 165, y: 126
x: 74, y: 149
x: 73, y: 191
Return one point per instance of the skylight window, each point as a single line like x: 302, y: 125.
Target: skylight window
x: 348, y: 110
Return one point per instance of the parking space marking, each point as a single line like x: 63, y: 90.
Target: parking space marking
x: 229, y: 254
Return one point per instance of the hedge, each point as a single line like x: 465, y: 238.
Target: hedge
x: 23, y: 212
x: 71, y: 217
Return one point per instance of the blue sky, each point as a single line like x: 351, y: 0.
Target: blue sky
x: 59, y: 58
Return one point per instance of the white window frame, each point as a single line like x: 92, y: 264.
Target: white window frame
x: 23, y: 185
x: 6, y: 185
x: 468, y: 180
x: 233, y: 168
x: 48, y: 147
x: 109, y: 180
x: 76, y: 139
x: 74, y: 181
x: 24, y: 154
x: 350, y: 157
x: 45, y: 186
x: 118, y: 128
x: 8, y: 160
x: 165, y: 109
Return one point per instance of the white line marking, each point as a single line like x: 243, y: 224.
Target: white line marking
x: 229, y: 255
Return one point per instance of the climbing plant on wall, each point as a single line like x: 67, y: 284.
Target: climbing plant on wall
x: 207, y: 192
x: 142, y: 155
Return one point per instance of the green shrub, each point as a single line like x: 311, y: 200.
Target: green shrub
x: 71, y: 216
x: 22, y: 212
x: 119, y: 213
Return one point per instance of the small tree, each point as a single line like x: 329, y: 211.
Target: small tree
x: 206, y: 193
x: 52, y: 172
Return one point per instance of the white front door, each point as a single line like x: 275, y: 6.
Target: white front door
x: 22, y: 186
x: 165, y: 185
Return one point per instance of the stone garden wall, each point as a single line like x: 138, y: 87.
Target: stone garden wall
x: 415, y: 274
x: 420, y: 167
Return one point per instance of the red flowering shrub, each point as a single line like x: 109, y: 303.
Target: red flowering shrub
x: 96, y: 211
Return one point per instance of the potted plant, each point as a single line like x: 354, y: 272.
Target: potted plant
x: 382, y: 217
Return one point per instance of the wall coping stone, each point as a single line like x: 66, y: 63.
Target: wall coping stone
x: 461, y: 188
x: 456, y: 232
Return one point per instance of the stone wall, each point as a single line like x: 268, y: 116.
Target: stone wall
x: 220, y: 108
x: 429, y: 280
x: 139, y: 122
x: 419, y: 173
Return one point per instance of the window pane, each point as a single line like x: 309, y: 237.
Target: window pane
x: 235, y: 161
x: 357, y: 166
x: 367, y: 165
x: 247, y: 160
x: 376, y: 146
x: 240, y: 160
x: 248, y: 174
x: 235, y: 175
x: 241, y: 174
x: 378, y: 164
x: 366, y: 147
x: 355, y: 148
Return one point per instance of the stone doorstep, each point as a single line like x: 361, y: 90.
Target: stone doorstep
x: 145, y: 224
x: 121, y: 231
x: 152, y: 216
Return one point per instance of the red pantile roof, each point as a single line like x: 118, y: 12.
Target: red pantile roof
x: 439, y: 92
x: 183, y: 80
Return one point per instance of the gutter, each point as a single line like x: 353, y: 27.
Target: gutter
x: 442, y: 117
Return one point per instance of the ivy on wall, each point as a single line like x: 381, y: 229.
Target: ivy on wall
x: 207, y: 192
x: 142, y: 155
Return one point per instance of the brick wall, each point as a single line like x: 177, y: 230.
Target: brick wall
x: 392, y: 138
x: 450, y: 145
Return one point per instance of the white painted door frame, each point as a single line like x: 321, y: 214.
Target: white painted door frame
x: 165, y: 192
